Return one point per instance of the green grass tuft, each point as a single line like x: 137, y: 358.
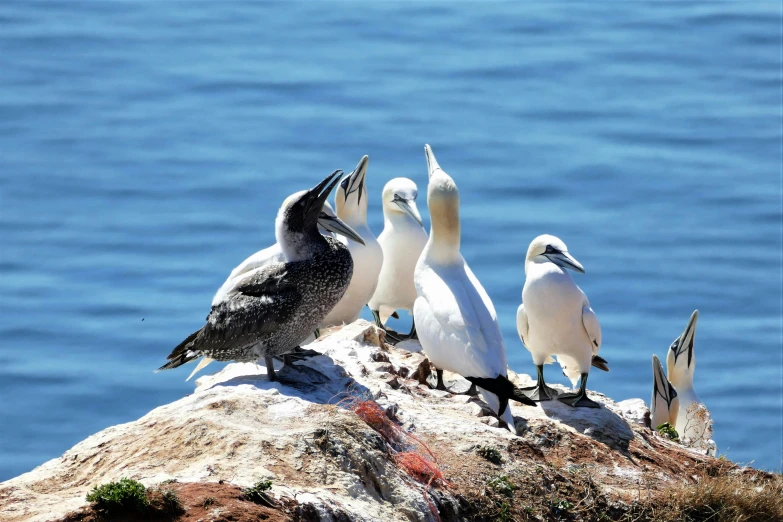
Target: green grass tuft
x: 257, y: 493
x: 123, y: 496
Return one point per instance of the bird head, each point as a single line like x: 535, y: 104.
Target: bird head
x: 442, y: 199
x: 399, y: 197
x: 299, y: 215
x: 351, y: 197
x: 681, y: 360
x: 549, y: 249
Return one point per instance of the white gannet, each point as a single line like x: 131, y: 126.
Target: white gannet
x: 555, y: 318
x: 351, y: 205
x: 402, y: 241
x: 455, y: 319
x: 277, y: 307
x: 664, y: 404
x: 694, y: 422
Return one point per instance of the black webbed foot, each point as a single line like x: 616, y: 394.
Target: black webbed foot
x: 540, y: 393
x: 578, y: 400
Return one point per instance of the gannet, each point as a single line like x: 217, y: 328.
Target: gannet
x: 279, y: 305
x: 693, y: 419
x: 402, y: 240
x: 455, y: 319
x: 351, y: 205
x: 555, y: 318
x: 664, y: 404
x: 327, y: 222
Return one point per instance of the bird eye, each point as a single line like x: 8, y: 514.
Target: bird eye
x: 549, y: 250
x: 344, y: 183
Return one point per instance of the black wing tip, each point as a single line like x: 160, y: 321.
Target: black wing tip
x: 520, y: 397
x: 168, y: 366
x: 600, y: 363
x: 503, y: 388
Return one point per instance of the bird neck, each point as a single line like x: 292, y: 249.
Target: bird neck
x: 396, y: 219
x: 443, y: 204
x: 682, y: 380
x: 353, y: 217
x: 444, y: 242
x: 535, y: 268
x: 300, y: 246
x: 296, y: 243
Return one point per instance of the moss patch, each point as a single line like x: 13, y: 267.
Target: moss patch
x: 668, y: 431
x: 490, y: 454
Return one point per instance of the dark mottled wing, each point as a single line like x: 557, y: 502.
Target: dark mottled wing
x: 258, y: 307
x: 265, y: 281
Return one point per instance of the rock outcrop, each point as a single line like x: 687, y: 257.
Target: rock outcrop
x: 326, y: 463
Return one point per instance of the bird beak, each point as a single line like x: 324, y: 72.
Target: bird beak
x: 432, y: 163
x: 316, y: 196
x: 686, y: 339
x: 661, y: 385
x: 409, y: 207
x: 355, y: 181
x: 336, y: 225
x: 566, y: 260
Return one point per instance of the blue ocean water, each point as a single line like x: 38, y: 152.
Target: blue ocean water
x: 146, y: 146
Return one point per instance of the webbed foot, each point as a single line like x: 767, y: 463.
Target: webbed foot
x: 578, y: 400
x: 300, y: 375
x: 297, y: 354
x: 540, y: 393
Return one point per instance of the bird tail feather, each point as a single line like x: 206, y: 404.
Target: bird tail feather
x: 600, y: 363
x: 201, y: 364
x: 182, y: 353
x: 503, y: 388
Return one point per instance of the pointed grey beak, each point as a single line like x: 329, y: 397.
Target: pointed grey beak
x: 409, y: 207
x: 684, y: 343
x: 325, y: 218
x: 334, y: 224
x: 432, y: 163
x: 565, y: 260
x: 355, y: 181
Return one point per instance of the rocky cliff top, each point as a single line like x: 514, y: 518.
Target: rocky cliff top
x: 325, y: 461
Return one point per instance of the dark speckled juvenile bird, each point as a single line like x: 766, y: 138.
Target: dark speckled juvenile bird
x: 277, y: 306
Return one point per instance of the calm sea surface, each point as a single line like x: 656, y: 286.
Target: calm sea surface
x: 146, y: 147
